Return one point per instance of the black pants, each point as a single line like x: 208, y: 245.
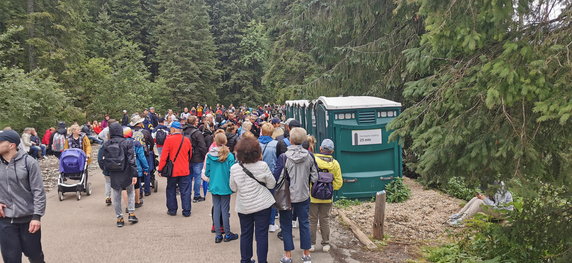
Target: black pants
x: 15, y: 240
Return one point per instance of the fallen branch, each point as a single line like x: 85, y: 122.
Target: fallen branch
x: 363, y: 238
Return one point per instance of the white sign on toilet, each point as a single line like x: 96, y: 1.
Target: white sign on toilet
x: 366, y: 137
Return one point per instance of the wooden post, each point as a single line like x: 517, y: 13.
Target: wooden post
x: 379, y: 216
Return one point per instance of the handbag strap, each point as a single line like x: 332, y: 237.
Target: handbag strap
x: 250, y: 174
x: 180, y: 145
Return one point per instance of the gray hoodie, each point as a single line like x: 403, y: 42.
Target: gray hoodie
x: 22, y: 188
x: 301, y: 169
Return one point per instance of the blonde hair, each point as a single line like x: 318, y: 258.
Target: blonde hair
x: 311, y: 142
x: 267, y: 129
x: 74, y: 128
x: 248, y: 134
x: 297, y: 135
x: 247, y: 125
x: 220, y: 141
x: 277, y: 133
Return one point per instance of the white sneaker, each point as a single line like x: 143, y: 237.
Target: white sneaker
x: 326, y: 248
x: 294, y: 224
x: 272, y: 228
x: 312, y: 248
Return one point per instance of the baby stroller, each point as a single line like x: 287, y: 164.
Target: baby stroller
x: 73, y: 166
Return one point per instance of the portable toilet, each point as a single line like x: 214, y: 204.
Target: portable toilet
x: 289, y: 109
x: 302, y: 106
x: 357, y: 125
x: 310, y: 118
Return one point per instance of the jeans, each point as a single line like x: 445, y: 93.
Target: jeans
x: 221, y: 204
x: 196, y: 170
x: 15, y: 240
x: 302, y: 211
x: 35, y: 151
x: 182, y: 182
x: 249, y: 224
x: 273, y: 212
x: 95, y: 139
x: 130, y: 200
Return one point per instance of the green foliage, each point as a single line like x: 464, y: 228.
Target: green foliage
x: 451, y: 253
x: 345, y: 203
x: 397, y: 191
x: 457, y: 187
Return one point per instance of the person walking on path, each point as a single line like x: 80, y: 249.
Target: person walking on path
x: 218, y: 163
x: 118, y: 159
x: 179, y: 150
x: 320, y: 208
x: 199, y: 152
x: 252, y: 180
x: 299, y: 167
x: 22, y: 202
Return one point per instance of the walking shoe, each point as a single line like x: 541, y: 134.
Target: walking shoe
x: 326, y: 248
x: 200, y: 199
x: 285, y: 260
x: 120, y: 222
x: 108, y: 201
x: 312, y: 248
x: 132, y: 218
x: 279, y: 235
x: 195, y: 199
x: 272, y: 228
x: 294, y: 224
x: 306, y: 259
x: 218, y: 239
x: 187, y: 214
x: 147, y: 193
x: 230, y: 237
x: 138, y: 205
x: 171, y: 213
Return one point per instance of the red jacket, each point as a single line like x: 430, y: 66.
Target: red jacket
x: 181, y: 166
x: 46, y: 138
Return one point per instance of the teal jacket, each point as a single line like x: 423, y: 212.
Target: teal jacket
x: 218, y: 172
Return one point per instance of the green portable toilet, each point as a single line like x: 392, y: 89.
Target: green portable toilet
x: 310, y: 119
x: 357, y: 125
x: 302, y: 106
x: 289, y: 109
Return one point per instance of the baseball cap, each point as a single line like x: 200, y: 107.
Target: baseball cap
x: 294, y: 123
x: 176, y: 125
x: 327, y: 145
x: 275, y: 121
x: 10, y: 136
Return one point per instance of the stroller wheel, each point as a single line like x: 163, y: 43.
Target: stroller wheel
x: 88, y: 189
x: 61, y: 196
x: 155, y: 185
x: 78, y: 193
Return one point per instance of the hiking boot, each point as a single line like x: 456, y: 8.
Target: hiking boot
x: 108, y: 201
x: 132, y: 218
x: 120, y: 222
x: 326, y: 248
x: 218, y: 239
x: 230, y: 237
x: 285, y: 260
x: 306, y: 259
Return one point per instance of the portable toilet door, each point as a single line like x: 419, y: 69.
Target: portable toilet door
x: 302, y: 106
x: 310, y: 118
x: 357, y: 125
x: 289, y: 109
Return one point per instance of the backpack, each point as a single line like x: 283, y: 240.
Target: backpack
x: 160, y: 136
x: 59, y: 142
x: 114, y: 156
x: 140, y: 137
x: 323, y: 189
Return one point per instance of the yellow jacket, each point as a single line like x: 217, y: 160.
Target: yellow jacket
x: 327, y: 162
x: 86, y: 145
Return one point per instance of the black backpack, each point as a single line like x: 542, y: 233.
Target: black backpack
x: 114, y: 156
x: 160, y: 136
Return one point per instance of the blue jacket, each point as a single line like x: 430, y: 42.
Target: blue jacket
x: 219, y: 172
x: 141, y: 159
x: 268, y: 146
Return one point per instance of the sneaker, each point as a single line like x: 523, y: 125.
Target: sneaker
x: 326, y: 248
x: 306, y: 259
x: 132, y: 218
x: 312, y: 248
x: 279, y: 235
x: 285, y: 260
x: 294, y: 224
x: 218, y: 239
x: 272, y: 228
x: 195, y: 199
x: 138, y: 205
x: 147, y: 193
x: 108, y: 201
x: 120, y: 222
x: 455, y: 216
x: 200, y: 199
x: 171, y: 213
x: 230, y: 237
